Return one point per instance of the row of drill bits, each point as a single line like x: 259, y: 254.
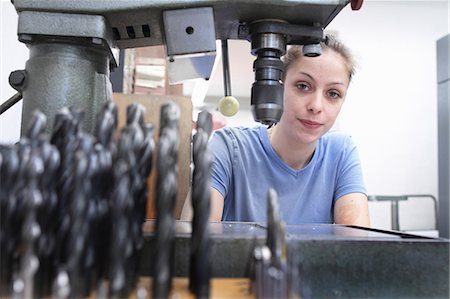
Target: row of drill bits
x: 166, y: 185
x: 78, y: 202
x: 73, y: 204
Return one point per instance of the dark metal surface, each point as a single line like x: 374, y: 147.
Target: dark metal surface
x: 35, y: 25
x: 132, y: 20
x: 17, y: 79
x: 336, y: 261
x: 190, y: 42
x: 226, y: 69
x: 443, y: 79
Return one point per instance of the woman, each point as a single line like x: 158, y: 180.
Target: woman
x: 316, y: 173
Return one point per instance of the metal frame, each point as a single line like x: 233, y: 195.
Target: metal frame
x: 395, y: 225
x: 130, y: 19
x: 443, y: 79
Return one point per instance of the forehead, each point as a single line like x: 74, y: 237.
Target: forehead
x: 329, y: 64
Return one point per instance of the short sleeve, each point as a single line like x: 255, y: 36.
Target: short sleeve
x: 221, y: 172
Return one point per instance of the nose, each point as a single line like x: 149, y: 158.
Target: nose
x: 315, y: 103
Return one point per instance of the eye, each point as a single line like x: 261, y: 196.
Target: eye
x: 334, y: 94
x: 302, y: 86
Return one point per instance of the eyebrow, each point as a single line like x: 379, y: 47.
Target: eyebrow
x: 332, y: 83
x: 307, y: 75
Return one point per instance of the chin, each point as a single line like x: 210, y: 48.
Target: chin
x: 308, y: 138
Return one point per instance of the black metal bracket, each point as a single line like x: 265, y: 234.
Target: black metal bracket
x: 295, y: 34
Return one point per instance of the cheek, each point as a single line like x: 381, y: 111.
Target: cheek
x: 333, y: 111
x: 291, y: 100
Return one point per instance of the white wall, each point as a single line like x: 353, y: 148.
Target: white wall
x: 13, y: 56
x: 391, y: 106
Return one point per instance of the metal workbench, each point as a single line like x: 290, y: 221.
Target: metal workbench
x: 335, y: 261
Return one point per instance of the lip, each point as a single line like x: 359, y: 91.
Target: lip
x: 310, y: 124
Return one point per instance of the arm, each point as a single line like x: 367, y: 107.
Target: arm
x: 216, y: 206
x: 352, y: 209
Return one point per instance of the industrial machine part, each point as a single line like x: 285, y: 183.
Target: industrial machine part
x: 228, y: 105
x: 443, y: 79
x: 268, y: 43
x: 332, y: 261
x: 72, y: 45
x: 395, y: 221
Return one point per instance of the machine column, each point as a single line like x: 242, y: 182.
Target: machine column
x: 69, y: 64
x: 64, y: 75
x: 443, y: 78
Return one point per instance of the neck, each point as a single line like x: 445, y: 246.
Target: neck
x: 296, y: 155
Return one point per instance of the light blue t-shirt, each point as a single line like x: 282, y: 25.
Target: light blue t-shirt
x: 245, y: 166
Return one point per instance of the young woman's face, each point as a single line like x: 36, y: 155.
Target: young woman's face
x: 314, y: 91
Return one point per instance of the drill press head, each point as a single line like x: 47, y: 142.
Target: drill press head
x: 269, y: 39
x: 267, y: 90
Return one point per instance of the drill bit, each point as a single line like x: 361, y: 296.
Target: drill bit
x: 106, y: 124
x: 65, y: 140
x: 9, y: 171
x: 47, y: 212
x: 166, y: 190
x: 135, y: 114
x: 120, y: 242
x: 36, y: 126
x: 78, y: 232
x: 261, y: 261
x: 271, y: 272
x: 99, y: 218
x: 29, y: 262
x: 61, y: 285
x: 130, y: 148
x: 104, y: 149
x: 200, y: 243
x: 275, y: 233
x: 145, y: 167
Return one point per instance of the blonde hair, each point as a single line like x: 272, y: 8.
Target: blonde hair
x: 331, y: 43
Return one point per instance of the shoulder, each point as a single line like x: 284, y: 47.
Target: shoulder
x: 337, y: 141
x: 337, y: 145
